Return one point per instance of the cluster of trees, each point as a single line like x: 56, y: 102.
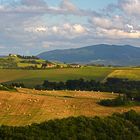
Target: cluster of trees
x: 30, y: 61
x: 7, y: 87
x: 116, y: 127
x: 27, y: 57
x: 130, y: 88
x: 7, y: 63
x: 30, y: 67
x: 17, y: 85
x: 119, y: 101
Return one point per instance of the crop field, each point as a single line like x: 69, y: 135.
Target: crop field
x: 132, y: 74
x: 30, y: 106
x: 33, y: 77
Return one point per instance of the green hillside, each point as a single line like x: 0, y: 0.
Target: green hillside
x: 21, y: 62
x: 33, y: 77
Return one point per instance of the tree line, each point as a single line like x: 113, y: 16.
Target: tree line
x: 124, y: 126
x: 130, y: 88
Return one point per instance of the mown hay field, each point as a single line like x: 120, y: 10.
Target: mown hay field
x: 30, y: 106
x: 132, y: 74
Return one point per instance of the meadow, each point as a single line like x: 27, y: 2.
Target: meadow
x: 27, y: 106
x: 31, y: 78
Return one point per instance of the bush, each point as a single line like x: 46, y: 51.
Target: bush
x: 7, y: 87
x: 119, y: 101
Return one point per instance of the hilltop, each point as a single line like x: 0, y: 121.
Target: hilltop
x: 14, y: 61
x: 124, y: 55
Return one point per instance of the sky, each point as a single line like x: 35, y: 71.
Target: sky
x: 29, y: 27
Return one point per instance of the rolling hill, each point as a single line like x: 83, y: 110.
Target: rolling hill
x: 125, y: 55
x: 21, y: 62
x: 28, y: 106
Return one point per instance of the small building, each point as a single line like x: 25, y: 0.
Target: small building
x: 75, y: 66
x: 50, y: 65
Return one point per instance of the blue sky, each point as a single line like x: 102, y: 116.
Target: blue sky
x: 32, y: 26
x: 86, y: 4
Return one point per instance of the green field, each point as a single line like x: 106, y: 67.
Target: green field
x: 33, y: 77
x: 16, y: 62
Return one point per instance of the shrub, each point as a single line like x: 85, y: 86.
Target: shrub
x: 119, y: 101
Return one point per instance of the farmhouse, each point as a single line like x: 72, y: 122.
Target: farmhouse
x: 75, y: 66
x: 50, y: 65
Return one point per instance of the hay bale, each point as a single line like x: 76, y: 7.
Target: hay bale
x: 29, y: 100
x: 29, y: 114
x: 35, y: 100
x: 7, y: 109
x: 73, y: 106
x: 9, y: 106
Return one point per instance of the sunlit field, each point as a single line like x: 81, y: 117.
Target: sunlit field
x: 30, y: 106
x: 33, y: 77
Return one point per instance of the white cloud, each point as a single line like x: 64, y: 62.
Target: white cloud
x: 61, y: 30
x: 115, y: 21
x: 73, y: 29
x: 67, y: 5
x: 79, y: 28
x: 32, y: 24
x: 114, y: 33
x: 101, y: 22
x: 131, y: 7
x: 36, y: 29
x: 55, y: 29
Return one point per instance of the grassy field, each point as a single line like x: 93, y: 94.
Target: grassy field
x: 30, y: 106
x: 132, y: 74
x: 33, y: 77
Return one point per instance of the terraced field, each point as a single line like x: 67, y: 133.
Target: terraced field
x: 30, y: 106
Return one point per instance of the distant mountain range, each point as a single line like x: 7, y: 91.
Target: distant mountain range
x: 122, y: 55
x: 1, y: 56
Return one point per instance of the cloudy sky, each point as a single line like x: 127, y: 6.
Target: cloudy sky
x: 32, y: 26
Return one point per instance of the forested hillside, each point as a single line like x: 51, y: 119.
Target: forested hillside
x: 115, y: 127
